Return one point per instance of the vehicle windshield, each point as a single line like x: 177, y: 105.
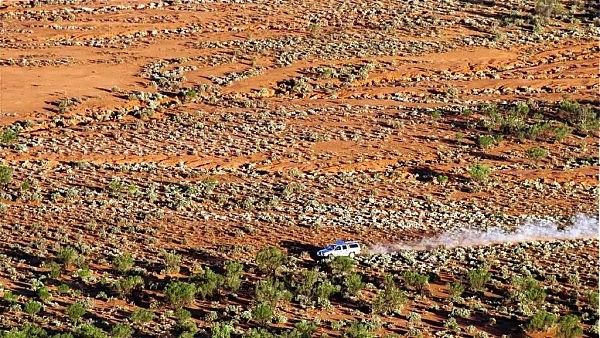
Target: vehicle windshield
x: 330, y: 247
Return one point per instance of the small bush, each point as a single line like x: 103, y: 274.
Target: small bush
x: 269, y: 259
x: 5, y: 174
x: 172, y: 262
x: 123, y: 263
x: 207, y: 283
x: 390, y: 300
x: 180, y: 294
x: 258, y: 333
x: 75, y: 311
x: 126, y: 285
x: 569, y: 327
x: 455, y: 289
x: 478, y: 278
x: 262, y: 313
x: 141, y: 315
x: 479, y: 172
x: 342, y: 265
x: 221, y: 330
x: 32, y: 307
x: 89, y: 331
x: 326, y: 289
x: 121, y: 330
x: 354, y: 284
x: 8, y: 136
x: 415, y: 280
x: 308, y: 280
x: 233, y: 276
x: 541, y: 321
x: 593, y: 300
x: 358, y: 330
x: 485, y: 141
x: 272, y: 291
x: 537, y: 153
x: 67, y: 255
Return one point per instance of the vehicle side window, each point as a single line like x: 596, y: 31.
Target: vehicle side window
x: 338, y: 248
x: 345, y: 247
x: 353, y: 246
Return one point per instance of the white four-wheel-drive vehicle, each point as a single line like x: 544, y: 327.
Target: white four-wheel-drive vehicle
x: 340, y: 248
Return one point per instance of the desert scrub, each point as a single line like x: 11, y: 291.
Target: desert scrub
x: 389, y: 300
x: 233, y: 276
x: 415, y: 280
x: 478, y: 278
x: 123, y: 263
x: 207, y: 283
x: 541, y: 321
x: 569, y: 327
x: 537, y: 153
x: 75, y: 311
x: 353, y: 284
x: 126, y: 285
x: 141, y: 315
x: 180, y: 294
x: 67, y: 255
x: 272, y: 291
x: 172, y: 262
x: 269, y: 259
x: 342, y: 265
x: 262, y: 313
x: 479, y: 173
x: 6, y: 173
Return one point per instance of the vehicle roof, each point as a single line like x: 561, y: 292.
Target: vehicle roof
x: 345, y: 242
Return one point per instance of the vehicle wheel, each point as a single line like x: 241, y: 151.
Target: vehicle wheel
x: 351, y: 255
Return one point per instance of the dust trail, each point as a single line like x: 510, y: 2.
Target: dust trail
x: 582, y: 226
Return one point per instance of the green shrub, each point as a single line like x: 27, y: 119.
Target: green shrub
x: 308, y: 280
x: 28, y: 330
x: 172, y: 262
x: 341, y: 265
x: 207, y: 283
x: 123, y: 263
x: 325, y: 289
x: 302, y: 329
x: 272, y: 291
x: 479, y: 172
x: 121, y: 330
x: 32, y: 307
x: 541, y: 321
x: 10, y: 297
x: 569, y: 327
x: 75, y: 311
x: 354, y: 284
x: 537, y: 153
x: 63, y: 289
x: 358, y: 330
x: 593, y: 300
x: 180, y: 294
x: 390, y: 299
x: 126, y: 285
x: 269, y: 259
x: 8, y: 136
x: 5, y: 174
x: 141, y: 315
x: 415, y: 280
x: 485, y: 141
x: 89, y: 331
x: 478, y: 278
x: 233, y: 276
x: 67, y: 256
x: 258, y: 333
x: 262, y: 313
x: 583, y: 118
x: 43, y: 294
x: 561, y: 132
x: 528, y: 290
x: 221, y: 330
x: 455, y: 289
